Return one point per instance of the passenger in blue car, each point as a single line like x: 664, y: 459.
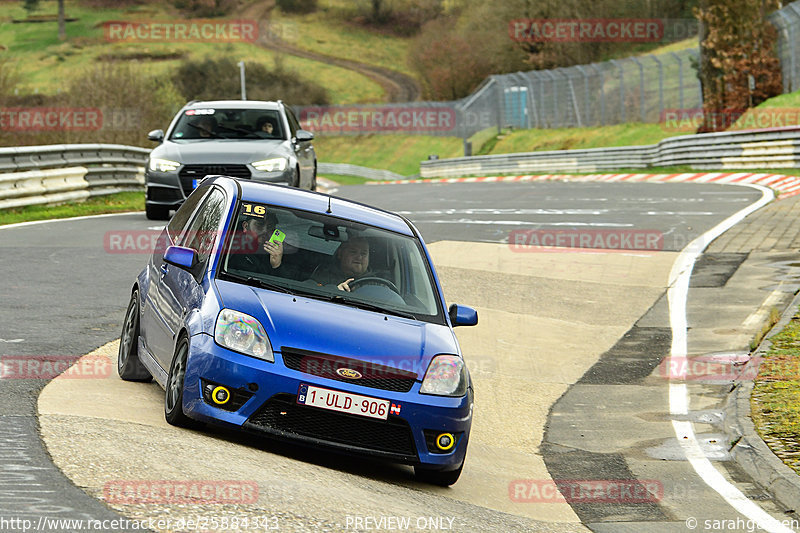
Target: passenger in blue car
x: 255, y: 253
x: 351, y: 262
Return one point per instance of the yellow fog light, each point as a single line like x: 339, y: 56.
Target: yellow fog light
x: 220, y: 395
x: 445, y: 441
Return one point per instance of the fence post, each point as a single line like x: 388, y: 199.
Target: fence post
x: 641, y: 88
x: 571, y: 86
x: 586, y: 108
x: 621, y: 90
x: 537, y: 121
x: 660, y: 87
x: 556, y: 114
x: 696, y: 54
x: 680, y: 79
x: 602, y: 93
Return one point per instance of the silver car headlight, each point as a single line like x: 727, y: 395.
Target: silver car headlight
x: 163, y: 165
x: 244, y: 334
x: 446, y: 376
x: 271, y: 165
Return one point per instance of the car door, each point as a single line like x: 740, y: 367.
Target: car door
x: 182, y: 289
x: 303, y: 149
x: 153, y: 325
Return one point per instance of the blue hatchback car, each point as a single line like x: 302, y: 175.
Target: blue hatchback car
x: 302, y: 316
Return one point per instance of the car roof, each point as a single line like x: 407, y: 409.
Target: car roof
x: 281, y: 195
x: 234, y: 104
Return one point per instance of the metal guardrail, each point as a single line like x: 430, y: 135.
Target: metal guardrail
x: 31, y: 175
x: 67, y: 172
x: 778, y: 148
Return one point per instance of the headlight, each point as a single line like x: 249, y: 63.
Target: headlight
x: 163, y: 165
x: 271, y: 165
x: 446, y: 376
x: 242, y: 333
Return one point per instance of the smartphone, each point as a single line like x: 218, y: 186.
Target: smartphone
x: 277, y: 236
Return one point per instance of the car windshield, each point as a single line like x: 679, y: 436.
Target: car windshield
x: 215, y: 123
x: 389, y: 271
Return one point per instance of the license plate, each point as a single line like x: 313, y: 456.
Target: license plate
x: 195, y: 183
x: 343, y: 402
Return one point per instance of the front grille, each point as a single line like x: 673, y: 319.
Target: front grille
x: 196, y: 172
x: 373, y: 375
x: 281, y: 413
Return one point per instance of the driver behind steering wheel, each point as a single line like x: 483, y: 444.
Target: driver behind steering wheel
x: 351, y: 263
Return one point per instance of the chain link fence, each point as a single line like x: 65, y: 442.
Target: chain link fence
x: 787, y: 22
x: 648, y: 88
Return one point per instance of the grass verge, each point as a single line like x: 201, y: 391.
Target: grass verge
x: 43, y: 62
x: 775, y: 401
x: 345, y: 180
x: 536, y: 140
x: 98, y: 205
x: 398, y: 153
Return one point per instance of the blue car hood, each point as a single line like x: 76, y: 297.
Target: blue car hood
x: 336, y: 329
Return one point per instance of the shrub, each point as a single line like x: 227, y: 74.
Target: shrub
x: 131, y: 103
x: 218, y: 79
x: 297, y: 6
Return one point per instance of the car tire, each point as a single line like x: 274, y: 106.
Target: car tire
x: 173, y: 396
x: 313, y: 186
x: 438, y: 477
x: 296, y: 178
x: 156, y: 212
x: 129, y: 366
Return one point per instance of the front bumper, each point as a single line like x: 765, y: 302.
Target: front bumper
x: 272, y: 409
x: 169, y: 189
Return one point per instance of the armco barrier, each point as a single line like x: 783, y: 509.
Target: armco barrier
x: 43, y: 186
x: 68, y: 172
x: 775, y: 148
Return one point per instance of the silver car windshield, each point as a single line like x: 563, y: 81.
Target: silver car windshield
x: 213, y: 123
x: 323, y: 256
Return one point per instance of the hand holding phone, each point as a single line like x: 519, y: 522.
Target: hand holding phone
x: 277, y: 236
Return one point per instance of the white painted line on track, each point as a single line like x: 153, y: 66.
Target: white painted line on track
x: 677, y: 295
x: 68, y: 219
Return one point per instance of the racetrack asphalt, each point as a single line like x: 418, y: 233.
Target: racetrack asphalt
x: 754, y: 254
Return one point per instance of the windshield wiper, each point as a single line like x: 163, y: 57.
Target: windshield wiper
x: 240, y: 130
x: 211, y: 134
x: 371, y: 307
x: 258, y: 282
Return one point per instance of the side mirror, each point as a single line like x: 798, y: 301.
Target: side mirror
x: 156, y: 135
x: 181, y: 257
x: 461, y: 315
x: 303, y: 136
